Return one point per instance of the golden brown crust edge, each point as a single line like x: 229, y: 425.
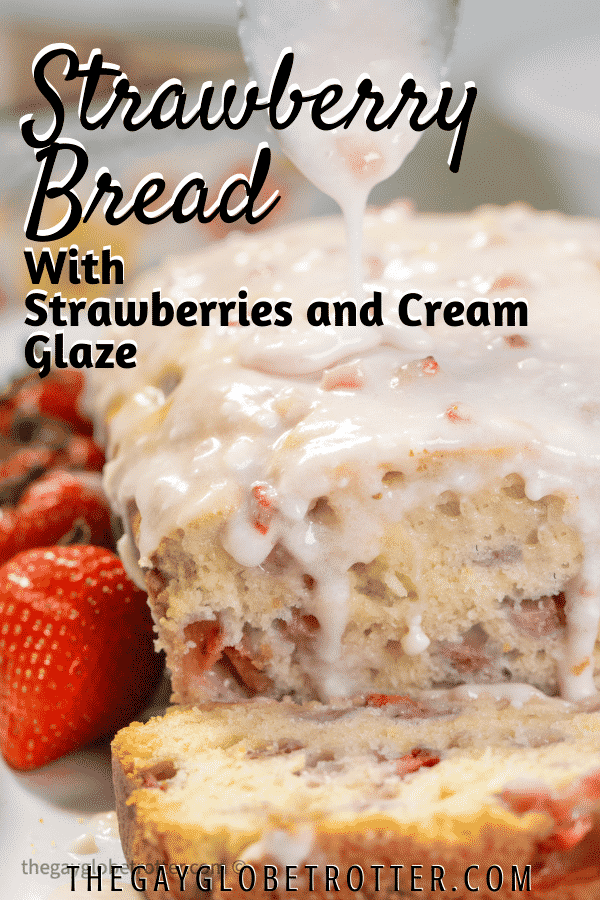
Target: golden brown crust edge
x: 123, y: 784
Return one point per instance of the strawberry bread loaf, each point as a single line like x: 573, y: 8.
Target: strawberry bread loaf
x: 409, y: 501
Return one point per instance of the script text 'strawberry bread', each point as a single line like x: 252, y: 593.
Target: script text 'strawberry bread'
x: 320, y: 511
x: 433, y: 782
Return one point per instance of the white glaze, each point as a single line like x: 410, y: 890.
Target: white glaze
x: 253, y: 406
x: 517, y: 694
x: 385, y: 39
x: 126, y: 551
x: 105, y: 825
x: 285, y: 848
x: 415, y: 641
x: 84, y: 845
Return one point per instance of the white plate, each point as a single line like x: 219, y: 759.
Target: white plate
x: 63, y: 815
x: 58, y: 816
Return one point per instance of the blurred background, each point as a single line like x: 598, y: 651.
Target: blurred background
x: 534, y: 135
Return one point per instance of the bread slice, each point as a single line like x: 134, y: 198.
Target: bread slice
x: 324, y: 511
x: 437, y: 784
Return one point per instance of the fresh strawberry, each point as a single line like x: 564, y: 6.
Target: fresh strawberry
x: 83, y: 453
x: 7, y: 412
x: 20, y: 469
x: 30, y: 429
x: 62, y: 507
x: 57, y: 397
x: 76, y: 652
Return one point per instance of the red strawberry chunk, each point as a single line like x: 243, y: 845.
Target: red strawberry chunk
x: 151, y: 781
x: 348, y: 377
x: 263, y: 495
x: 380, y: 700
x: 539, y: 618
x: 590, y: 786
x: 564, y: 850
x: 262, y: 506
x: 403, y: 706
x: 416, y: 368
x: 209, y: 649
x: 415, y: 760
x: 465, y: 656
x: 429, y: 366
x: 375, y: 266
x: 516, y: 341
x: 509, y: 281
x: 361, y: 156
x: 207, y: 636
x: 244, y: 669
x: 456, y: 413
x: 301, y: 626
x: 526, y: 800
x: 567, y: 836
